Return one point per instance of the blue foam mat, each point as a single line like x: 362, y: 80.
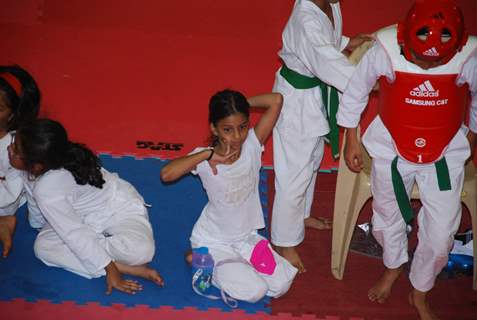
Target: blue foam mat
x: 175, y: 208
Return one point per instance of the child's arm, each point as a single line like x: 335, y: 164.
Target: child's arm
x: 355, y: 99
x: 469, y: 73
x: 11, y: 187
x: 322, y: 58
x: 7, y: 228
x: 11, y: 184
x: 352, y: 151
x: 273, y: 102
x: 358, y: 40
x: 183, y: 165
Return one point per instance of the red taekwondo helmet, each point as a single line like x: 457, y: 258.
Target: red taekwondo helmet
x: 433, y: 29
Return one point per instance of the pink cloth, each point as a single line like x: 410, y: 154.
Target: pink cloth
x: 262, y: 258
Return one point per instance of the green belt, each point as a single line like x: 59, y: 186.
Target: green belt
x: 329, y: 95
x: 443, y: 179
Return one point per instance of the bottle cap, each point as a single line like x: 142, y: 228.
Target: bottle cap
x: 201, y: 250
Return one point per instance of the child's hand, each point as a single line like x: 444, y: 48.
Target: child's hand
x: 218, y: 158
x: 114, y: 280
x: 353, y: 155
x: 7, y: 227
x: 358, y: 40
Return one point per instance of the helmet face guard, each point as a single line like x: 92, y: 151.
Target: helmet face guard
x: 432, y: 31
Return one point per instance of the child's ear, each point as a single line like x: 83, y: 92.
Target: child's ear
x: 37, y: 169
x: 214, y: 130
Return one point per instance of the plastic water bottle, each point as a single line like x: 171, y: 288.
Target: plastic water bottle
x: 202, y: 272
x: 202, y: 268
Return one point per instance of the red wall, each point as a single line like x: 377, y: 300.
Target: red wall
x: 118, y: 72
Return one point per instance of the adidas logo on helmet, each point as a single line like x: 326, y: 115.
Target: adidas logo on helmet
x: 432, y: 52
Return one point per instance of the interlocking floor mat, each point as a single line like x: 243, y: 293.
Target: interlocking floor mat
x: 175, y: 208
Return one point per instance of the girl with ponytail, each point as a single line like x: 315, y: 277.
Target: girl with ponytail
x: 96, y: 223
x: 19, y: 102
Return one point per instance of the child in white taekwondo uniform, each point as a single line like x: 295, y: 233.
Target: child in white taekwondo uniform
x: 229, y: 171
x: 314, y: 66
x: 96, y: 223
x: 19, y: 102
x: 426, y: 67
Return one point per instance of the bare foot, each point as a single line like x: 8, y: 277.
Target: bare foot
x: 382, y: 289
x: 319, y: 223
x: 143, y: 271
x: 417, y: 299
x: 291, y: 254
x: 188, y: 257
x: 7, y: 228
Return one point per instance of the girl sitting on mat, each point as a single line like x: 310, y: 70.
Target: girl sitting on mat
x: 97, y: 223
x: 229, y: 171
x: 19, y: 102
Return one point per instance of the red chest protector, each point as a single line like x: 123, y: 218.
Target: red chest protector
x: 422, y: 112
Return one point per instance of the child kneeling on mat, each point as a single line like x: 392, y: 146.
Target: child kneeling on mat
x: 96, y: 223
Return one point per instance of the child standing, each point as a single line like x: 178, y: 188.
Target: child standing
x: 314, y: 66
x: 229, y: 172
x: 19, y: 102
x: 97, y: 223
x: 426, y: 68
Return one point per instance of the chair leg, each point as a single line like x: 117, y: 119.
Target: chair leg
x: 470, y: 201
x: 349, y: 199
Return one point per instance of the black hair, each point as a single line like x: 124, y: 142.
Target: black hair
x: 25, y: 105
x: 226, y: 103
x: 45, y: 142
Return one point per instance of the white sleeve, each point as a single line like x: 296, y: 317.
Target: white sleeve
x: 11, y: 189
x: 252, y: 136
x: 469, y: 75
x: 196, y: 150
x: 375, y: 63
x: 344, y: 42
x: 322, y: 58
x: 52, y: 197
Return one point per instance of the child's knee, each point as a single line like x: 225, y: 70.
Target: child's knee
x: 42, y: 247
x: 250, y: 287
x: 252, y: 293
x: 131, y: 249
x: 436, y: 246
x: 147, y: 252
x: 442, y: 244
x: 292, y: 198
x: 279, y: 288
x: 282, y: 279
x: 140, y: 254
x: 38, y: 248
